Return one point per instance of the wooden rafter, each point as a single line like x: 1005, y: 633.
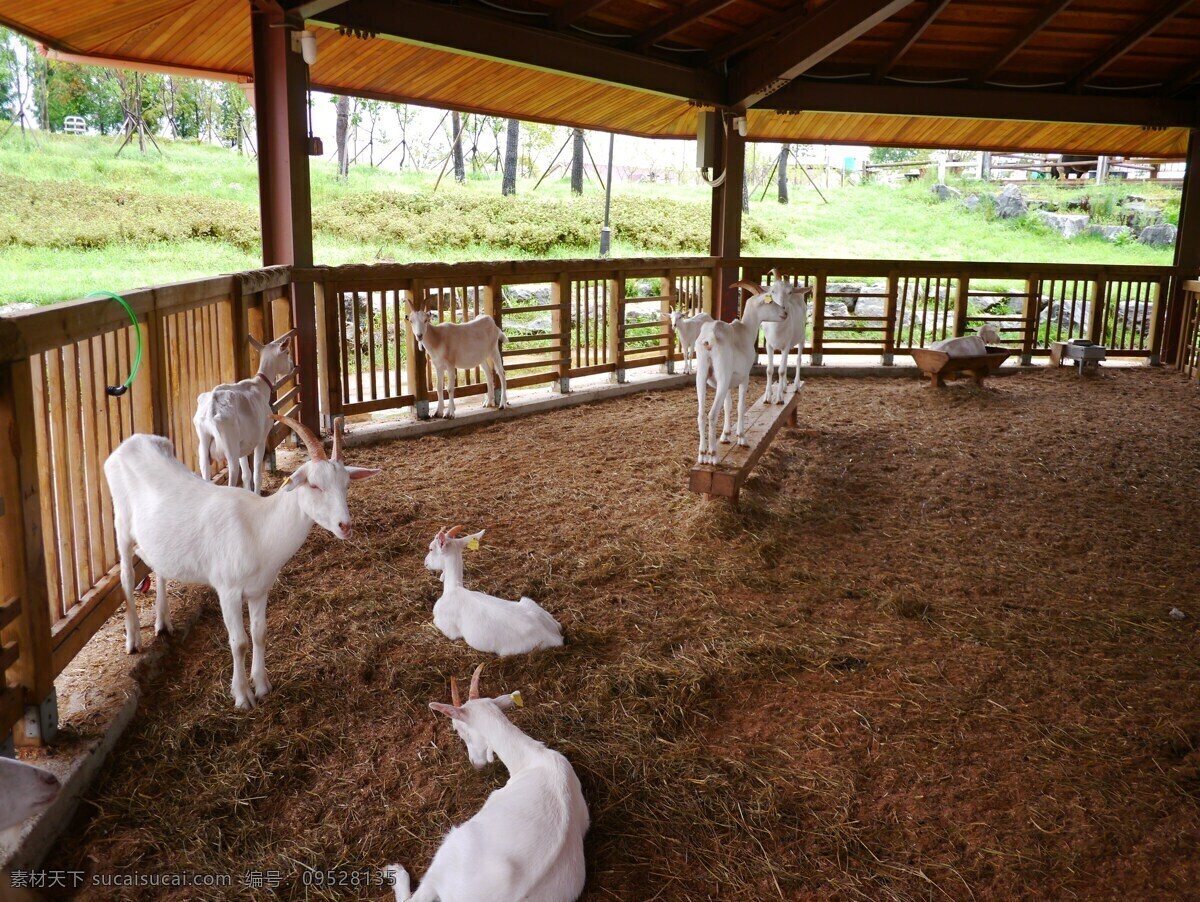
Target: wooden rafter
x: 1020, y: 39
x: 574, y: 10
x: 911, y: 37
x: 757, y: 33
x: 984, y: 103
x: 473, y: 31
x: 681, y: 18
x: 1184, y: 79
x: 821, y: 34
x: 1165, y: 13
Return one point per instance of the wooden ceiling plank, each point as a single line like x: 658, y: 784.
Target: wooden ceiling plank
x: 820, y: 34
x: 481, y: 34
x: 911, y: 37
x: 681, y: 18
x: 1127, y: 42
x: 756, y: 33
x: 1020, y: 39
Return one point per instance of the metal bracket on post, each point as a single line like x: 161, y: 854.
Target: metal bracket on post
x: 887, y: 359
x: 564, y: 386
x: 41, y: 720
x: 671, y: 365
x: 421, y: 409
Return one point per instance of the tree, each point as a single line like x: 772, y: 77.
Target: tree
x: 577, y: 161
x: 456, y: 127
x: 509, y: 185
x: 893, y: 154
x: 745, y: 192
x: 785, y: 151
x: 343, y: 131
x: 234, y: 116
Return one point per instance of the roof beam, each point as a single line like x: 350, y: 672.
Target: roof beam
x: 572, y: 11
x: 1165, y: 13
x: 1183, y: 79
x: 681, y: 18
x: 820, y: 34
x: 757, y: 33
x: 481, y: 34
x: 985, y: 103
x: 1019, y: 40
x: 911, y: 37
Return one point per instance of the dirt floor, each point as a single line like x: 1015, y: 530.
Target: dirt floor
x: 930, y: 657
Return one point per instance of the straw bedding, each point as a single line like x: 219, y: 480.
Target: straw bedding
x: 929, y: 656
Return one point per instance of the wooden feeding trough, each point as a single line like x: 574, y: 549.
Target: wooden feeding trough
x: 940, y: 366
x: 724, y: 478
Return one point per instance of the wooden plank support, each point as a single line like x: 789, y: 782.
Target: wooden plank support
x: 725, y: 478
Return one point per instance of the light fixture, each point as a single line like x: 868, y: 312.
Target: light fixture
x: 305, y: 43
x: 742, y: 124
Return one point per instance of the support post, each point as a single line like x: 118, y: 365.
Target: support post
x: 560, y: 324
x: 415, y: 359
x: 726, y: 238
x: 889, y: 313
x: 665, y: 307
x: 616, y: 326
x: 285, y: 202
x: 818, y: 320
x: 493, y: 306
x: 22, y: 552
x: 960, y: 305
x: 1095, y: 324
x: 1032, y: 309
x: 1187, y: 253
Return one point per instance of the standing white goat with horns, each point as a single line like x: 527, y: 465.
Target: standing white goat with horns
x: 235, y: 418
x: 236, y: 542
x: 460, y: 346
x: 487, y: 623
x: 731, y: 350
x: 526, y: 842
x: 785, y: 335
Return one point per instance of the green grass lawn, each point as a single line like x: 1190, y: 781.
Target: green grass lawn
x: 79, y: 219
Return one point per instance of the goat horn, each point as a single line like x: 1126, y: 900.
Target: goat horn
x: 315, y: 449
x: 455, y: 698
x: 750, y: 286
x: 454, y: 532
x: 337, y: 438
x: 474, y: 693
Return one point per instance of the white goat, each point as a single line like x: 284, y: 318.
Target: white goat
x: 730, y: 348
x: 785, y: 335
x: 688, y: 330
x: 235, y: 417
x: 461, y: 346
x: 24, y: 791
x: 526, y: 842
x: 487, y: 623
x: 198, y: 532
x: 969, y: 345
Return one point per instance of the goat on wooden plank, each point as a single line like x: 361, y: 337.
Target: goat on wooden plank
x: 234, y: 419
x: 688, y: 330
x: 969, y: 345
x: 487, y: 623
x: 787, y: 334
x: 526, y: 842
x: 198, y: 532
x: 460, y: 346
x: 731, y: 350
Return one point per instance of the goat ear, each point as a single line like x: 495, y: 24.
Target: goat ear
x: 255, y: 343
x: 408, y: 307
x: 513, y: 699
x: 362, y: 472
x: 449, y: 710
x: 299, y: 478
x: 802, y: 290
x: 477, y: 535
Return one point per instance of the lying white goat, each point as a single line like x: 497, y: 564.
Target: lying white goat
x: 461, y: 346
x: 730, y: 349
x: 235, y: 418
x: 198, y: 532
x: 969, y: 345
x: 785, y: 335
x: 487, y: 623
x: 688, y: 330
x: 526, y: 842
x: 25, y: 790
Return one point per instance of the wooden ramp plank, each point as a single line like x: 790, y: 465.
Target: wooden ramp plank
x: 724, y: 479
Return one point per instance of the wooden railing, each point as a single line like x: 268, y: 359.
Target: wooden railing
x: 910, y: 304
x: 1189, y: 344
x: 564, y: 319
x: 60, y: 560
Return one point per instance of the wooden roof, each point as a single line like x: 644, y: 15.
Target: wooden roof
x: 1118, y: 76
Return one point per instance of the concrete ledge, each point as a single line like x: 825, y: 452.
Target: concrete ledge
x: 76, y: 764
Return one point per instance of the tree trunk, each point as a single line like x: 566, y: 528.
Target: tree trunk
x: 784, y: 153
x: 745, y: 192
x: 343, y: 129
x: 577, y: 161
x: 509, y: 185
x: 460, y: 168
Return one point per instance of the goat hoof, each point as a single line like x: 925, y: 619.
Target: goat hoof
x: 244, y: 702
x: 163, y: 631
x: 743, y: 443
x: 262, y: 688
x: 133, y: 648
